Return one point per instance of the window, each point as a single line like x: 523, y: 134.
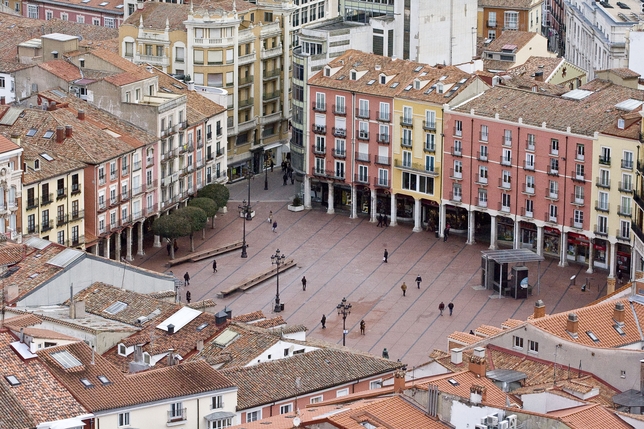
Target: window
x: 529, y: 161
x: 363, y: 173
x: 429, y: 163
x: 507, y: 137
x: 604, y: 178
x: 506, y: 179
x: 407, y: 115
x: 176, y: 411
x: 529, y: 184
x: 458, y: 128
x: 363, y: 109
x: 511, y: 21
x: 317, y: 399
x: 32, y: 11
x: 517, y: 342
x: 554, y: 147
x: 602, y: 225
x: 124, y: 419
x: 285, y: 409
x: 96, y: 21
x: 60, y: 237
x: 529, y: 208
x: 458, y: 169
x: 484, y: 133
x: 49, y: 15
x: 430, y: 142
x: 217, y: 402
x: 430, y: 119
x: 554, y: 166
x: 579, y: 171
x: 579, y: 194
x: 533, y: 346
x: 320, y: 101
x: 627, y: 160
x: 341, y: 392
x: 109, y: 22
x: 406, y: 161
x: 627, y: 183
x: 624, y: 229
x: 221, y: 423
x: 482, y: 197
x: 458, y: 148
x: 340, y: 104
x: 505, y: 202
x: 253, y: 416
x: 604, y: 157
x: 553, y: 189
x: 383, y: 177
x: 383, y: 114
x: 553, y: 213
x: 507, y: 157
x: 578, y: 218
x: 339, y: 173
x: 375, y: 384
x: 602, y: 202
x: 580, y: 152
x: 457, y: 192
x: 406, y: 137
x: 491, y: 19
x: 482, y: 174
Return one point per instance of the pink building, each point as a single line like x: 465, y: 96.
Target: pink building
x: 351, y: 117
x: 104, y: 13
x: 518, y: 164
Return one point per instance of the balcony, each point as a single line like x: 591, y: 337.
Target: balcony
x: 456, y: 197
x: 578, y: 177
x: 101, y: 206
x: 47, y: 225
x: 381, y: 182
x: 114, y: 202
x: 552, y: 194
x: 624, y: 211
x: 457, y: 151
x: 484, y: 137
x: 319, y: 149
x: 604, y: 160
x: 339, y: 110
x: 136, y: 165
x: 47, y: 199
x: 602, y: 206
x: 481, y: 203
x: 602, y: 183
x: 268, y: 96
x: 361, y: 178
x: 481, y: 180
x: 579, y: 157
x: 77, y: 215
x: 76, y: 241
x: 458, y: 132
x: 248, y: 102
x: 270, y: 74
x: 405, y: 142
x: 113, y: 176
x: 32, y: 203
x: 504, y: 184
x: 576, y: 224
x: 600, y: 230
x: 61, y: 220
x: 339, y: 132
x: 549, y: 218
x: 363, y: 113
x: 125, y: 196
x: 526, y: 213
x: 318, y: 129
x: 338, y: 175
x: 76, y: 188
x: 269, y: 53
x: 455, y: 174
x: 318, y: 107
x: 101, y: 179
x: 406, y: 121
x: 149, y: 161
x: 383, y: 116
x: 125, y: 171
x: 638, y: 231
x: 627, y: 164
x: 363, y: 135
x: 553, y: 171
x: 321, y: 172
x: 382, y: 160
x: 362, y: 157
x: 528, y: 189
x: 220, y: 152
x: 155, y: 60
x: 527, y: 165
x: 491, y: 24
x: 429, y: 147
x: 382, y: 138
x: 33, y: 229
x: 626, y: 187
x: 199, y: 143
x: 577, y: 200
x: 177, y: 415
x: 481, y: 156
x: 507, y: 161
x: 506, y: 141
x: 61, y: 193
x: 529, y: 145
x: 429, y: 126
x: 624, y: 235
x: 337, y: 153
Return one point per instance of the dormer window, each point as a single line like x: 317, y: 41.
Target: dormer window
x: 353, y: 75
x: 383, y: 79
x: 327, y: 71
x: 82, y: 62
x: 147, y: 359
x: 620, y: 123
x: 122, y: 350
x: 439, y: 88
x: 54, y: 54
x: 36, y: 164
x: 416, y: 84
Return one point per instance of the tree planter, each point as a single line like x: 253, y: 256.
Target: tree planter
x: 295, y: 208
x: 243, y: 214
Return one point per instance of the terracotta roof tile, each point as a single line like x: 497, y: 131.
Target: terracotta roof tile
x: 487, y: 331
x: 11, y: 253
x: 465, y: 379
x: 155, y: 14
x: 54, y: 164
x: 589, y: 417
x: 48, y: 333
x: 510, y: 37
x: 509, y: 4
x: 624, y: 73
x: 62, y: 69
x: 463, y: 338
x: 320, y: 369
x: 39, y: 393
x: 126, y: 390
x: 512, y: 323
x: 7, y: 145
x: 22, y: 321
x: 285, y: 421
x: 534, y: 64
x: 12, y: 413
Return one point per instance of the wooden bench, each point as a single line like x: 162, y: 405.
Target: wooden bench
x: 254, y: 281
x: 203, y: 254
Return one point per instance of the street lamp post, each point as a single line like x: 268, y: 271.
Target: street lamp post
x: 249, y: 175
x: 344, y: 309
x: 244, y: 209
x: 278, y: 259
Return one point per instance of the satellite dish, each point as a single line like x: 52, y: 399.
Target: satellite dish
x: 296, y: 422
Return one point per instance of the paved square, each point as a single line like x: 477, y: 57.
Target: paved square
x: 343, y: 257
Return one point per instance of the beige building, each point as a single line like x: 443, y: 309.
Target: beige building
x: 10, y: 188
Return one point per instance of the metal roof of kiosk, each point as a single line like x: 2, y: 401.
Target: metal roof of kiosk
x: 510, y: 256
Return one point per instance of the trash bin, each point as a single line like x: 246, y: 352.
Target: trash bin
x: 282, y: 306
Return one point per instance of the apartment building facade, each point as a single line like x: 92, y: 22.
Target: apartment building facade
x: 95, y: 12
x: 554, y: 25
x: 497, y: 16
x: 10, y: 189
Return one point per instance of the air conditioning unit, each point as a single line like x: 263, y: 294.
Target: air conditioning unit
x: 492, y: 420
x: 480, y: 426
x: 512, y: 421
x: 504, y: 424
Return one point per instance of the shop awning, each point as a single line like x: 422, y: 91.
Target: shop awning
x: 509, y: 256
x: 219, y: 415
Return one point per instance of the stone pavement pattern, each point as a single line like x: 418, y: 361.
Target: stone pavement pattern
x: 343, y: 257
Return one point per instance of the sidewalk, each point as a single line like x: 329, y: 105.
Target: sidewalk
x: 342, y: 257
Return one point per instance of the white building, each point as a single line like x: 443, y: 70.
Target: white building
x: 596, y: 33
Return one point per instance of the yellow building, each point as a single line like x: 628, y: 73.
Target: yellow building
x: 417, y: 140
x: 53, y: 204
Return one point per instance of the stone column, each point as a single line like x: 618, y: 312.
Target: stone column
x: 140, y: 250
x: 106, y: 252
x: 128, y: 251
x: 95, y: 249
x: 539, y: 240
x: 492, y: 232
x: 374, y: 206
x: 517, y: 234
x: 157, y: 239
x: 394, y: 212
x: 307, y: 192
x: 330, y: 209
x: 441, y: 219
x: 471, y: 227
x: 354, y: 202
x: 563, y: 250
x: 610, y: 285
x: 612, y: 260
x: 417, y: 225
x: 591, y: 256
x: 117, y: 246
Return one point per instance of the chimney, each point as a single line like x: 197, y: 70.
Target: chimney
x: 538, y: 76
x: 478, y: 362
x: 68, y: 131
x: 170, y: 329
x: 52, y: 106
x: 2, y: 100
x: 191, y: 86
x: 478, y: 394
x: 457, y: 356
x: 572, y: 324
x: 171, y: 357
x: 199, y: 345
x: 81, y: 115
x: 60, y: 134
x: 22, y: 335
x: 15, y: 137
x: 618, y: 314
x: 399, y: 381
x: 79, y: 309
x: 138, y: 353
x: 539, y: 309
x: 642, y: 376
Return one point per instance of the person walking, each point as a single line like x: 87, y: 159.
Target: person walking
x: 272, y: 165
x: 385, y: 220
x: 186, y: 277
x: 270, y: 217
x: 275, y: 226
x: 214, y: 265
x: 445, y: 234
x: 188, y: 296
x: 418, y: 280
x: 403, y: 287
x: 385, y: 256
x: 385, y: 353
x: 441, y: 307
x: 323, y: 321
x: 620, y: 276
x: 362, y: 327
x: 285, y: 178
x: 379, y: 220
x: 451, y: 307
x: 303, y: 282
x: 168, y: 247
